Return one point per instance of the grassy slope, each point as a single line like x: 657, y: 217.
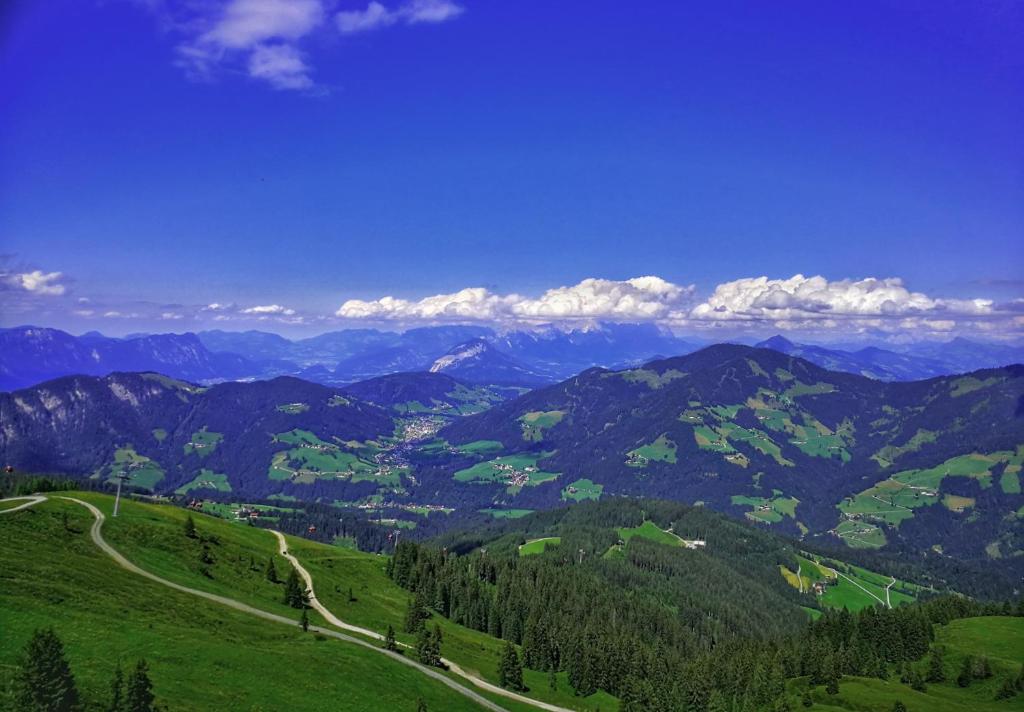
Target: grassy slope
x: 202, y: 656
x: 379, y: 602
x: 1002, y: 639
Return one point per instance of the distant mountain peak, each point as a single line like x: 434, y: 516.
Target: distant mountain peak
x: 777, y: 343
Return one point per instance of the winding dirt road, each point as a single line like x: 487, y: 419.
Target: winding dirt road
x: 97, y: 538
x: 282, y: 546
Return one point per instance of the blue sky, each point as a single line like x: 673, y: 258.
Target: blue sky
x: 310, y: 154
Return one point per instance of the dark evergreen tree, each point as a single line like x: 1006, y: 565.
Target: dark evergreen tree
x: 510, y: 670
x: 117, y: 691
x: 807, y: 700
x: 304, y: 620
x: 43, y: 681
x: 966, y: 672
x: 421, y: 706
x: 898, y: 706
x: 294, y: 592
x: 190, y: 528
x: 139, y: 693
x: 916, y: 680
x: 936, y: 667
x: 271, y: 571
x: 389, y: 639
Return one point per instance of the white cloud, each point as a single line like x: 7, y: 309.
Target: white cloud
x: 641, y: 298
x: 799, y: 297
x: 171, y: 315
x: 269, y: 309
x: 282, y: 66
x: 373, y: 17
x: 36, y: 282
x: 263, y: 33
x: 377, y: 16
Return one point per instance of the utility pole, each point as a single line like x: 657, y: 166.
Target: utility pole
x: 122, y: 477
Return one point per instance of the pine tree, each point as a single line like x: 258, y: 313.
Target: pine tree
x: 1019, y: 682
x: 898, y: 706
x: 510, y: 670
x: 389, y: 639
x: 294, y: 593
x: 43, y: 681
x: 304, y: 621
x: 916, y: 681
x: 139, y: 696
x: 832, y: 686
x: 717, y: 702
x: 553, y: 680
x: 936, y: 670
x: 421, y: 706
x: 117, y: 691
x: 190, y: 528
x: 966, y: 672
x: 351, y: 596
x: 807, y: 700
x: 271, y: 571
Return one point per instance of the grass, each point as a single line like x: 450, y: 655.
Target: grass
x: 536, y: 422
x: 313, y: 458
x: 293, y: 408
x: 144, y: 472
x: 999, y: 638
x: 516, y: 471
x: 582, y: 489
x: 505, y: 513
x: 202, y: 656
x: 380, y: 602
x: 844, y: 593
x: 537, y: 546
x: 858, y: 534
x: 661, y: 450
x: 650, y: 530
x: 481, y: 447
x: 778, y: 507
x: 203, y: 442
x: 208, y: 480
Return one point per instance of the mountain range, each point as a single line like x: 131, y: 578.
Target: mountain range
x: 926, y: 465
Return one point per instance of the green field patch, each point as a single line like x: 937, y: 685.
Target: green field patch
x: 969, y: 384
x: 661, y: 450
x: 514, y: 471
x: 203, y: 442
x: 860, y: 534
x: 142, y: 471
x: 806, y: 389
x: 710, y: 439
x: 293, y: 408
x: 537, y: 546
x: 758, y: 439
x: 336, y: 401
x: 498, y: 513
x: 955, y: 503
x: 481, y: 447
x: 888, y: 454
x: 768, y: 510
x: 312, y: 458
x: 649, y: 530
x: 206, y: 479
x: 582, y: 489
x: 160, y: 434
x: 536, y: 422
x: 692, y: 416
x: 652, y: 379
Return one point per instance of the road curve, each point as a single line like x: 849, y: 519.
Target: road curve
x: 33, y: 500
x: 97, y: 537
x: 282, y: 546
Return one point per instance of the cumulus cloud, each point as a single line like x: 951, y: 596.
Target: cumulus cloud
x: 640, y: 298
x: 283, y: 66
x: 37, y: 282
x: 800, y: 297
x: 262, y: 33
x: 377, y: 15
x: 264, y: 39
x: 269, y: 309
